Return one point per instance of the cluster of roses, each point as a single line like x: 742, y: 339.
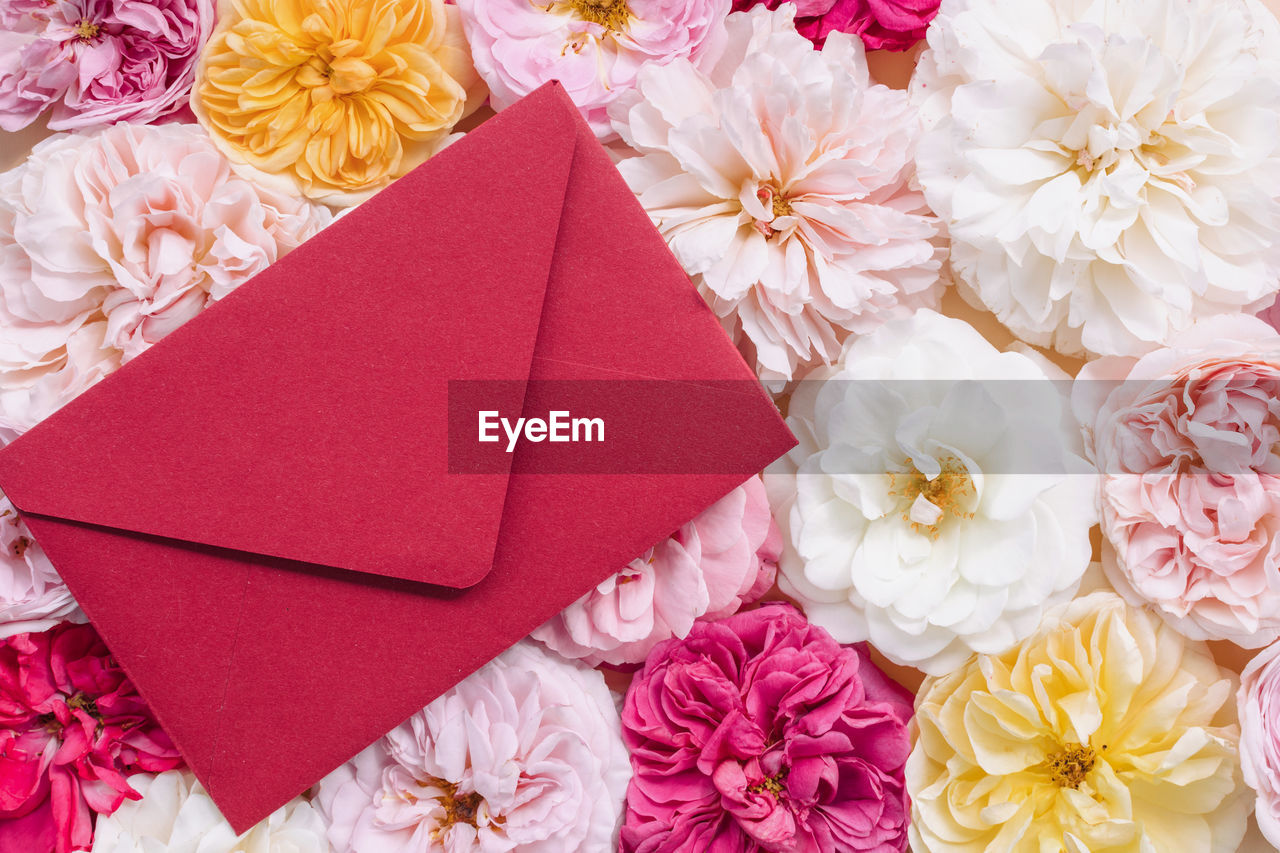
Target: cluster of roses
x: 1103, y: 178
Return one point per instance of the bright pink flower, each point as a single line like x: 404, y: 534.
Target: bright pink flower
x: 882, y: 24
x: 72, y: 727
x: 760, y: 732
x: 724, y: 558
x: 98, y: 61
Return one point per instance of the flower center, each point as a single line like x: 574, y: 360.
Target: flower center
x: 778, y: 205
x: 773, y: 784
x: 348, y: 75
x: 1069, y: 767
x: 20, y: 546
x: 87, y: 30
x: 79, y: 702
x: 929, y: 501
x: 613, y: 15
x: 458, y: 808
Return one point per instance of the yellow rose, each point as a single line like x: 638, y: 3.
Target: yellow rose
x: 1104, y: 731
x: 338, y: 96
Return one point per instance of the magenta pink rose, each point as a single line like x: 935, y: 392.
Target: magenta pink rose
x: 724, y: 558
x: 98, y: 61
x: 72, y: 727
x: 1186, y: 438
x: 881, y: 24
x: 760, y: 732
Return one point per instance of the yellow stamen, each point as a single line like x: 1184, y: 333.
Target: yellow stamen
x: 613, y: 15
x: 87, y: 30
x: 1069, y: 767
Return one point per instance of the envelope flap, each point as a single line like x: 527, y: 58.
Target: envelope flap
x: 278, y: 422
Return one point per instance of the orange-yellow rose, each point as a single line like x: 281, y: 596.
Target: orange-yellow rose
x: 338, y: 96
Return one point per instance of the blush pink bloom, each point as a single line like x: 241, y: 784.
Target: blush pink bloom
x: 111, y: 240
x: 1259, y: 703
x: 881, y: 24
x: 32, y: 596
x: 98, y: 61
x: 72, y: 727
x: 523, y: 756
x: 595, y: 48
x: 1272, y: 315
x: 760, y: 732
x: 724, y: 558
x: 1186, y: 439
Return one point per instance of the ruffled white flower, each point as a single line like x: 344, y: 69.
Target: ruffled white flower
x: 176, y: 815
x: 524, y: 756
x: 782, y: 180
x: 32, y: 596
x: 936, y: 503
x: 1109, y: 172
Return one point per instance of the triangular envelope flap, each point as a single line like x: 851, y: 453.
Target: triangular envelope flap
x: 305, y: 415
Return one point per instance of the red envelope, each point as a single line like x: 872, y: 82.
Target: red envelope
x: 261, y: 514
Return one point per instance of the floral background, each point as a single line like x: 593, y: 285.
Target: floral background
x: 949, y: 655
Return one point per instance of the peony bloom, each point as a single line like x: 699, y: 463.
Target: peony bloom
x: 881, y: 24
x: 176, y: 815
x: 32, y: 596
x: 71, y: 728
x: 337, y: 98
x: 98, y: 61
x: 760, y: 732
x: 1105, y: 731
x: 724, y: 558
x: 595, y: 48
x: 525, y: 756
x: 934, y: 505
x: 1109, y: 172
x: 1188, y: 441
x: 781, y: 179
x: 112, y: 240
x: 1259, y: 703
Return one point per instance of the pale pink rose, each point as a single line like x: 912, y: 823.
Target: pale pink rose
x: 783, y: 180
x: 595, y: 48
x: 1187, y: 438
x: 32, y: 596
x: 525, y: 755
x: 1259, y: 703
x: 1272, y: 314
x: 109, y: 241
x: 724, y: 558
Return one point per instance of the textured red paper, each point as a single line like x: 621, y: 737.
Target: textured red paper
x: 258, y: 515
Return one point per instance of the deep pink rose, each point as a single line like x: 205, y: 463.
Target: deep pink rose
x: 72, y: 727
x: 882, y: 24
x: 760, y: 732
x: 98, y: 61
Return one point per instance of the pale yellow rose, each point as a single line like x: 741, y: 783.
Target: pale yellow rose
x: 1103, y: 731
x: 340, y: 97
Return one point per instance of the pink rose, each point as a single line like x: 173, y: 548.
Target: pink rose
x: 524, y: 755
x: 101, y: 61
x: 1272, y: 314
x: 32, y: 596
x: 724, y: 558
x: 882, y: 24
x: 595, y: 48
x: 1259, y: 703
x: 760, y: 732
x: 72, y: 727
x: 1186, y: 438
x: 113, y: 239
